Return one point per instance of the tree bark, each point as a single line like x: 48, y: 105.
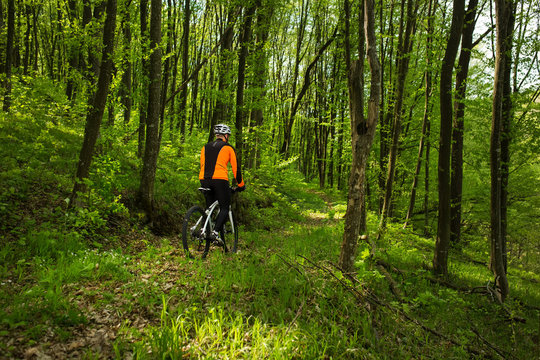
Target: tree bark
x: 9, y: 53
x: 298, y: 100
x: 225, y: 62
x: 458, y: 125
x: 166, y: 70
x: 73, y: 50
x: 125, y: 92
x: 442, y: 244
x: 240, y: 111
x: 501, y: 110
x: 99, y: 100
x: 260, y: 76
x: 362, y: 133
x: 151, y: 151
x: 426, y: 118
x: 144, y: 80
x: 185, y: 66
x: 299, y: 41
x: 404, y: 48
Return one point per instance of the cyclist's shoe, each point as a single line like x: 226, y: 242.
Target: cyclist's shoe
x: 216, y: 239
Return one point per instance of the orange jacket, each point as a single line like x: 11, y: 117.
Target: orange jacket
x: 215, y: 156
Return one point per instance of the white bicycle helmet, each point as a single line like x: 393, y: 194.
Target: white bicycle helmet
x: 222, y: 129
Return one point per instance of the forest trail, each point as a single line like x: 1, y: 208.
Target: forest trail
x: 113, y: 312
x: 278, y: 296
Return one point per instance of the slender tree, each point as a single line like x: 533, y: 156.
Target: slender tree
x: 404, y: 49
x: 143, y: 13
x: 245, y: 40
x: 151, y: 150
x: 220, y: 110
x: 99, y: 100
x: 440, y: 259
x: 458, y: 125
x: 9, y: 53
x: 185, y: 65
x: 499, y: 124
x: 125, y: 93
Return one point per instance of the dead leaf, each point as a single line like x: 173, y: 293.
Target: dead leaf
x: 75, y: 345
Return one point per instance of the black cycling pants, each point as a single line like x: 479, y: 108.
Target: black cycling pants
x: 222, y: 193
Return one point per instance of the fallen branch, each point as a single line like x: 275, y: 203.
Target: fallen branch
x: 500, y: 352
x: 370, y: 297
x: 296, y: 317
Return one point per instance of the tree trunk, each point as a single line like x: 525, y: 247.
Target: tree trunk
x: 362, y: 132
x: 125, y: 92
x: 240, y: 111
x: 427, y: 113
x: 458, y: 125
x: 299, y: 41
x: 92, y: 58
x: 9, y: 53
x: 151, y: 151
x: 440, y: 258
x: 185, y: 58
x: 27, y: 46
x: 166, y: 70
x: 99, y: 100
x: 225, y: 62
x: 73, y: 51
x: 404, y: 48
x: 298, y: 100
x: 143, y: 81
x: 501, y: 110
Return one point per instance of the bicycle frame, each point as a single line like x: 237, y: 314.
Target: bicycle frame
x: 208, y: 224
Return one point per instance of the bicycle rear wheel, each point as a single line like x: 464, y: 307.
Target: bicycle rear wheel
x: 194, y: 241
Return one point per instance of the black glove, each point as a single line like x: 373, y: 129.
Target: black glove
x: 241, y: 188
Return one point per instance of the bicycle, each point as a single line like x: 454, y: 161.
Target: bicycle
x: 199, y: 224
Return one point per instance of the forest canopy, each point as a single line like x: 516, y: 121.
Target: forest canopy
x: 420, y: 116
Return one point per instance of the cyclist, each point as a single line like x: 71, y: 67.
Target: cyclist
x: 215, y: 156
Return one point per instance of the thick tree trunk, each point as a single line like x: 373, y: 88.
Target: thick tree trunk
x: 99, y: 100
x: 458, y: 126
x: 440, y: 258
x: 362, y: 132
x: 151, y: 151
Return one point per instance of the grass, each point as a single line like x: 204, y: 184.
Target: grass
x: 97, y: 283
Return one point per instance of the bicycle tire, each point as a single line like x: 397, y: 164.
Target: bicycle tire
x: 193, y: 241
x: 235, y: 235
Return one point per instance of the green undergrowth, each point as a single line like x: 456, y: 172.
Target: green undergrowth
x: 99, y: 281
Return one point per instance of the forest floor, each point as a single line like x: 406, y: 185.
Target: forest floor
x: 280, y: 297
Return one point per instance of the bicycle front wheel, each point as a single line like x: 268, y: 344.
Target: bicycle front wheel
x: 194, y: 240
x: 232, y: 228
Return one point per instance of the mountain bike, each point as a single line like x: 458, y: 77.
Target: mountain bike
x: 199, y: 224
